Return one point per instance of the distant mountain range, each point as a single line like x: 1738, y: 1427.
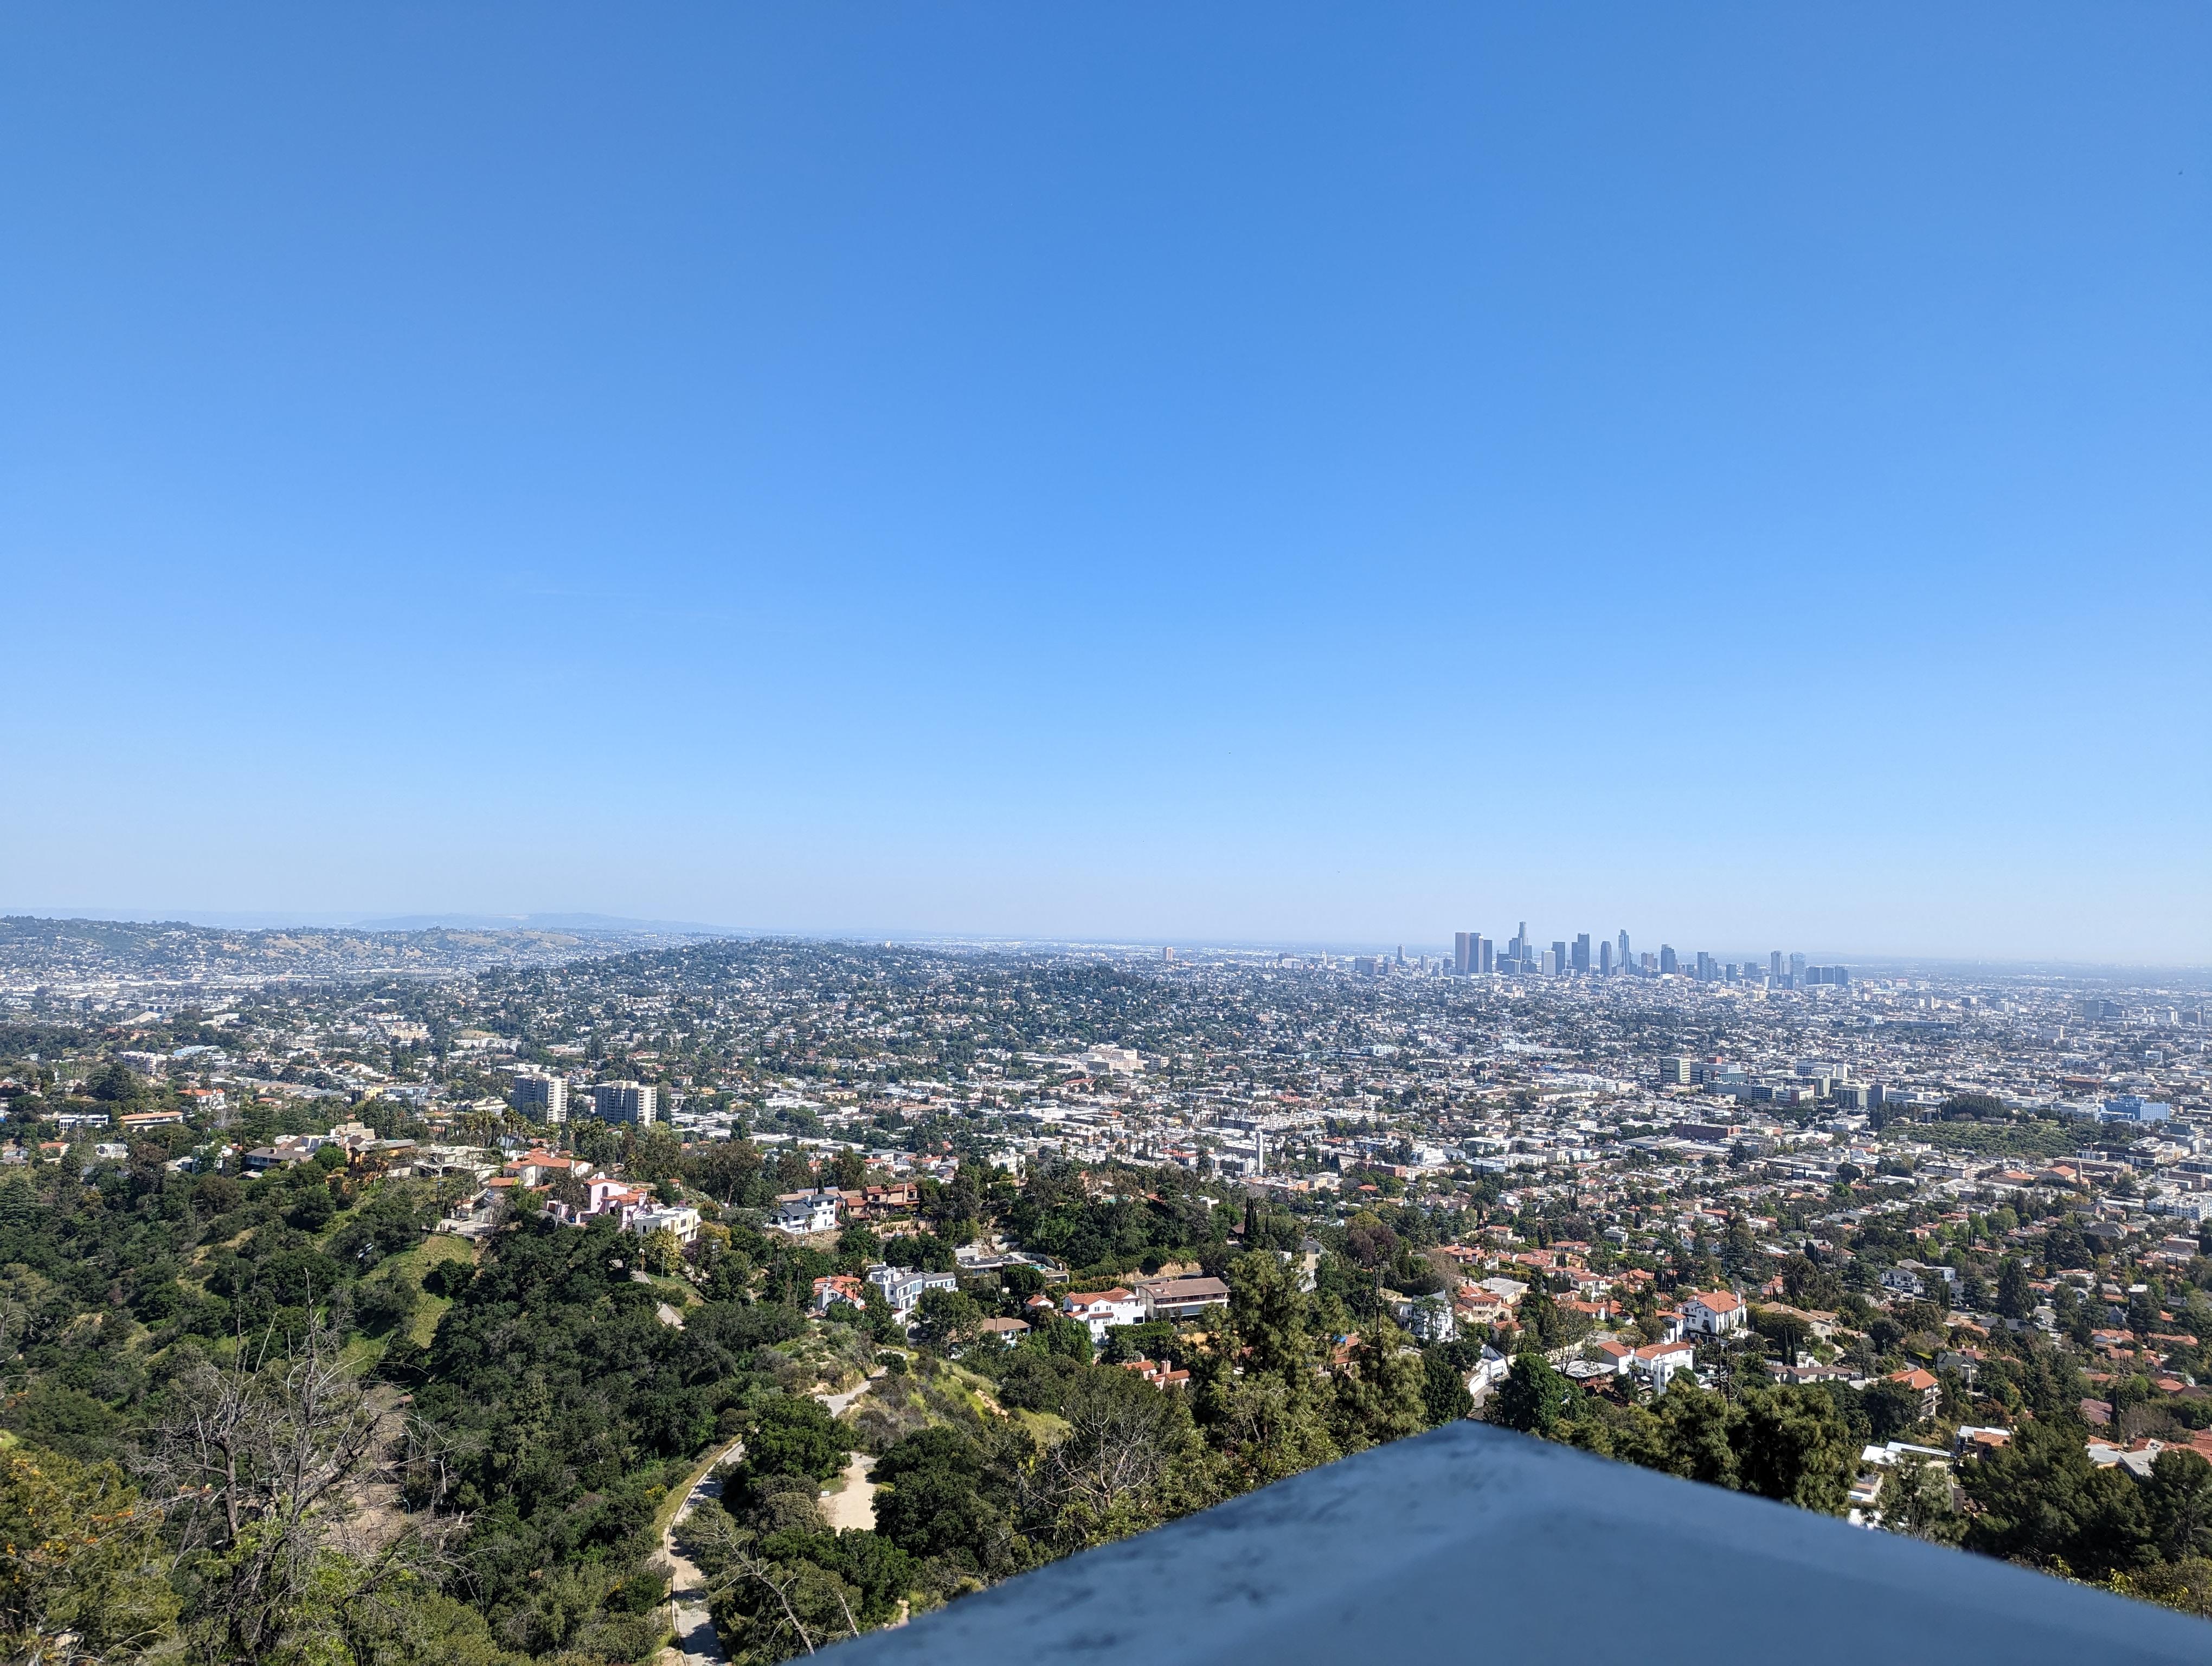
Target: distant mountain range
x: 323, y: 920
x: 67, y: 951
x: 535, y: 922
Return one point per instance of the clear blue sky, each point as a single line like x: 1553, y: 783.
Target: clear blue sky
x: 1282, y: 473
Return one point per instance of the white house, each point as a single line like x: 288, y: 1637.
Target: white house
x: 681, y: 1219
x: 1427, y: 1318
x: 1100, y: 1309
x: 903, y: 1288
x: 1660, y: 1360
x: 1492, y: 1369
x: 1619, y: 1355
x: 603, y: 1196
x: 1712, y: 1312
x: 806, y: 1212
x: 1902, y: 1281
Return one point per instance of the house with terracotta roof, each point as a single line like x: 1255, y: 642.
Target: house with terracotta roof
x: 1659, y: 1360
x: 1619, y: 1355
x: 1479, y: 1306
x: 534, y: 1168
x: 1712, y: 1312
x: 603, y: 1196
x: 1101, y: 1308
x: 1157, y: 1374
x: 1929, y: 1390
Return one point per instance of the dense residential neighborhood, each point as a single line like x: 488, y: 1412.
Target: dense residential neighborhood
x: 950, y: 1260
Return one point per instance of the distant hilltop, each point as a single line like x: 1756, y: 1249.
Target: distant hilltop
x: 538, y: 922
x: 63, y: 951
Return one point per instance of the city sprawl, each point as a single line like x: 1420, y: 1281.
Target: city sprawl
x: 948, y: 1260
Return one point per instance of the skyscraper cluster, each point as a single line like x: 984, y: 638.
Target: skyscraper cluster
x: 1474, y: 954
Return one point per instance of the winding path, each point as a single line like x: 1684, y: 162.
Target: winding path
x: 697, y: 1642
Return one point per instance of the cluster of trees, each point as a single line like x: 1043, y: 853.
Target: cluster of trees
x: 103, y: 1274
x: 225, y: 1441
x: 1080, y: 1451
x: 521, y: 1453
x: 556, y: 1409
x: 1055, y: 1215
x: 230, y: 1532
x: 2038, y: 1499
x: 1791, y: 1443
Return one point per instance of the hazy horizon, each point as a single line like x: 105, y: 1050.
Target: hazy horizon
x: 1873, y: 961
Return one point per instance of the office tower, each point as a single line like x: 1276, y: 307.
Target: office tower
x: 1774, y: 966
x: 1461, y: 943
x: 623, y: 1102
x: 1796, y: 972
x: 1167, y: 955
x: 1582, y: 954
x: 1667, y: 961
x: 1625, y: 960
x: 1559, y: 957
x: 1674, y: 1072
x: 541, y: 1098
x: 1549, y: 965
x: 1605, y: 960
x: 1648, y: 961
x: 1402, y: 954
x: 1486, y: 955
x: 1705, y: 967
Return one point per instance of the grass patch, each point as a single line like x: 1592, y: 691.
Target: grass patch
x: 677, y: 1292
x: 672, y: 1500
x: 1044, y: 1428
x: 412, y: 1264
